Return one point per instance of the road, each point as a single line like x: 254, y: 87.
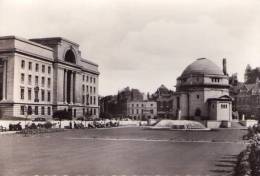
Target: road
x: 121, y: 151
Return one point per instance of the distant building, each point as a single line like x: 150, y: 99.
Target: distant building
x: 44, y: 75
x: 141, y: 110
x: 164, y: 100
x: 108, y: 106
x: 202, y: 92
x: 251, y: 75
x: 126, y: 95
x: 248, y: 100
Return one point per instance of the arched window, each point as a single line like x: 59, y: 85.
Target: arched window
x: 70, y: 57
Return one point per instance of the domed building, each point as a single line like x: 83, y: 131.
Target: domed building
x: 202, y: 93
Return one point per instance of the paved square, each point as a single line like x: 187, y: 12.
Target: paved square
x: 121, y: 151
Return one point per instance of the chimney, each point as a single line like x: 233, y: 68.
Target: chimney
x: 224, y: 66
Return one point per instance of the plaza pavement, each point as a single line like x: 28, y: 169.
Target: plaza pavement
x: 121, y: 151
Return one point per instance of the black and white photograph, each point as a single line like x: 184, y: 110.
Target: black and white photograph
x: 129, y: 88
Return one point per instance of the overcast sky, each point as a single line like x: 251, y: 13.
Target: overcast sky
x: 144, y: 43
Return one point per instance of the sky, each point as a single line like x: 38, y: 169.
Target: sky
x: 143, y: 43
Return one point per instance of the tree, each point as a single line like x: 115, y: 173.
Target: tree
x: 62, y: 115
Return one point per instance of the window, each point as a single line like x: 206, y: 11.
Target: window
x: 43, y: 68
x: 95, y: 113
x: 83, y: 88
x: 49, y: 110
x: 22, y: 93
x: 42, y: 110
x: 43, y: 81
x: 36, y: 80
x: 30, y: 79
x: 94, y: 89
x: 90, y: 99
x: 90, y: 89
x: 133, y: 112
x: 29, y: 93
x: 94, y: 98
x: 83, y: 99
x: 36, y: 67
x: 49, y: 82
x: 22, y: 78
x: 36, y: 110
x: 132, y: 105
x: 87, y: 78
x: 36, y: 94
x: 75, y: 112
x: 137, y: 111
x: 90, y: 79
x: 223, y: 106
x: 198, y: 96
x: 22, y: 110
x: 83, y: 78
x: 43, y: 94
x: 142, y: 105
x: 30, y: 66
x: 49, y: 96
x: 94, y: 80
x: 49, y: 69
x: 151, y: 104
x: 137, y: 105
x: 22, y: 64
x: 87, y: 88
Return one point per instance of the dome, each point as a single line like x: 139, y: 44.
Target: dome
x: 202, y: 66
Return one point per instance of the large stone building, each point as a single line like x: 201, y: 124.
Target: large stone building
x: 44, y: 75
x: 202, y: 92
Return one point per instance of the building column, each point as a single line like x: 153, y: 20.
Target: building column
x: 65, y: 86
x: 4, y: 79
x: 74, y: 86
x: 71, y: 88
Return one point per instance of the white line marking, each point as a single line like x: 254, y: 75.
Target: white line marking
x: 154, y: 140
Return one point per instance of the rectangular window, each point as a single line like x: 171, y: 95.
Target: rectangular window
x: 43, y: 68
x: 87, y: 88
x: 22, y: 93
x: 36, y: 95
x: 43, y: 81
x: 42, y: 110
x: 94, y: 90
x: 29, y: 79
x: 83, y: 88
x: 90, y: 79
x: 94, y: 98
x: 83, y: 78
x: 22, y: 64
x: 22, y: 78
x: 36, y: 80
x: 30, y: 66
x: 91, y: 100
x: 83, y: 99
x: 49, y: 82
x: 49, y: 69
x: 43, y: 94
x: 22, y: 110
x: 87, y: 78
x: 49, y: 110
x: 36, y: 67
x: 29, y: 93
x: 49, y: 96
x: 94, y: 80
x: 36, y: 110
x: 90, y: 89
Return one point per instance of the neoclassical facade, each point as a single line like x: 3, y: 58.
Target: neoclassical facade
x: 45, y: 75
x: 202, y: 92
